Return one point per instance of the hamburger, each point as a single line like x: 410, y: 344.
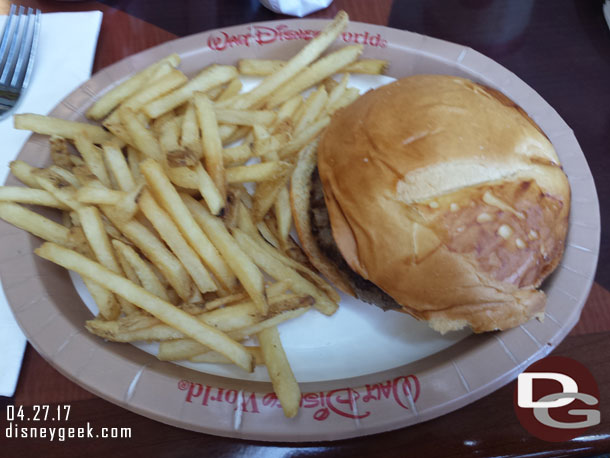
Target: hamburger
x: 438, y: 197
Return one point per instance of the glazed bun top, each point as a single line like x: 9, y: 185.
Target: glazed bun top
x: 446, y: 195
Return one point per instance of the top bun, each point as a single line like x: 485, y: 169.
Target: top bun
x: 447, y: 196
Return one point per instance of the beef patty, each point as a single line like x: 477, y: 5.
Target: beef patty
x: 322, y: 232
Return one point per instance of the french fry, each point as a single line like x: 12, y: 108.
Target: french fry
x: 265, y: 67
x: 93, y: 227
x: 262, y: 171
x: 224, y: 319
x: 141, y: 137
x: 283, y: 215
x: 311, y: 110
x: 216, y: 358
x: 64, y: 174
x: 115, y: 96
x: 133, y: 159
x: 295, y: 65
x: 83, y: 176
x: 157, y: 307
x: 127, y: 268
x: 48, y: 125
x: 148, y: 243
x: 30, y: 196
x: 170, y: 233
x: 243, y: 333
x: 240, y: 263
x: 232, y: 89
x: 106, y: 302
x: 273, y: 289
x: 268, y: 234
x: 57, y: 187
x: 336, y: 94
x: 305, y: 138
x: 289, y: 261
x: 329, y: 83
x: 208, y: 190
x: 99, y: 195
x: 167, y: 128
x: 245, y: 117
x: 222, y: 301
x: 119, y: 168
x: 285, y: 113
x: 239, y: 320
x: 169, y: 199
x: 190, y: 136
x: 259, y: 67
x: 282, y: 378
x: 212, y: 145
x: 232, y: 134
x: 213, y: 76
x: 266, y: 193
x: 350, y: 94
x: 368, y: 66
x: 24, y: 173
x: 184, y: 177
x: 60, y: 155
x: 115, y: 332
x: 155, y: 89
x: 215, y: 92
x: 34, y: 223
x: 114, y: 124
x: 181, y: 158
x: 236, y: 154
x: 141, y: 269
x: 318, y: 71
x: 280, y: 271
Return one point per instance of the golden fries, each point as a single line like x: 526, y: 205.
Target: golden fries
x: 295, y: 65
x: 137, y: 295
x: 114, y: 97
x: 212, y: 145
x: 250, y: 277
x: 177, y: 211
x: 265, y: 67
x: 142, y: 272
x: 171, y: 234
x: 169, y: 198
x: 29, y: 196
x: 282, y: 378
x: 317, y: 72
x: 68, y: 129
x: 34, y: 223
x: 209, y: 78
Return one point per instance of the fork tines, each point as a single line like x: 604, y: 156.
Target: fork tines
x: 17, y: 50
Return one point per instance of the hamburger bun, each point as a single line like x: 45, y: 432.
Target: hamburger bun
x: 445, y: 195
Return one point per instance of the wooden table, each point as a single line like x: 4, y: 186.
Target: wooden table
x: 560, y: 48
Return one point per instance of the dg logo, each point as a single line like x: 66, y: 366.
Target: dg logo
x: 556, y: 399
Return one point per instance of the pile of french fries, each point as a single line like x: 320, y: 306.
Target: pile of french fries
x: 176, y: 212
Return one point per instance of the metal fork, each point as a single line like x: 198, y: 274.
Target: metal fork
x: 17, y: 50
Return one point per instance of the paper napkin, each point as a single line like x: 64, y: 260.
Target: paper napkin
x: 298, y: 8
x: 63, y: 61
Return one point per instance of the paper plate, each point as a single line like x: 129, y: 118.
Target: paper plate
x: 363, y: 396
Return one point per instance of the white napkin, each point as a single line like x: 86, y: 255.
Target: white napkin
x: 63, y: 62
x: 607, y: 11
x: 298, y: 8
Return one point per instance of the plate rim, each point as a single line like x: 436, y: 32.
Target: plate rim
x: 468, y: 55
